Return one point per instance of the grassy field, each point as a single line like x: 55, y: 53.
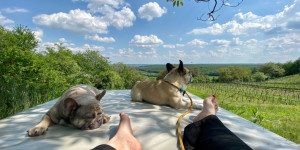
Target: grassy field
x: 276, y: 109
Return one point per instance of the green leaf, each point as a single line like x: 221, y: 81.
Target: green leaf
x: 181, y: 3
x: 177, y: 3
x: 174, y: 3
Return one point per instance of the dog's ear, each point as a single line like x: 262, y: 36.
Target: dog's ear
x: 169, y: 67
x: 70, y: 105
x: 181, y: 68
x: 105, y: 118
x: 99, y: 96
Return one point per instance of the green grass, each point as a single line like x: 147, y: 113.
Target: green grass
x: 281, y: 119
x: 16, y: 97
x: 287, y: 79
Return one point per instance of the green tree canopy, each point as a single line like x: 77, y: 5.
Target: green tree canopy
x: 17, y: 53
x: 128, y: 74
x: 292, y: 67
x: 259, y: 76
x: 272, y: 70
x: 234, y: 73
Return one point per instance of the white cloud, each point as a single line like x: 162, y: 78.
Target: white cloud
x: 169, y: 46
x: 120, y: 19
x: 197, y: 43
x: 70, y: 46
x: 181, y: 54
x: 4, y: 20
x: 100, y: 39
x: 179, y: 45
x: 128, y: 55
x: 127, y: 52
x: 253, y: 46
x: 121, y: 51
x: 38, y: 33
x: 215, y: 29
x: 151, y: 10
x: 236, y: 41
x: 237, y: 52
x: 282, y: 43
x: 14, y: 10
x: 150, y: 41
x: 63, y: 40
x: 212, y: 53
x: 86, y: 47
x: 224, y: 50
x: 115, y: 12
x: 218, y: 42
x: 78, y: 21
x: 97, y: 5
x: 173, y: 46
x: 252, y: 24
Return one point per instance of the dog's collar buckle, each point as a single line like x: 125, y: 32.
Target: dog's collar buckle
x: 180, y: 89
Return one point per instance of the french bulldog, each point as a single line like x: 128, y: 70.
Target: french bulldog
x: 162, y: 92
x: 79, y: 106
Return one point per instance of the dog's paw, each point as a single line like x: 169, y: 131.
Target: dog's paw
x: 36, y: 131
x: 197, y: 106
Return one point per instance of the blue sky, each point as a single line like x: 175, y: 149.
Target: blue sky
x: 155, y: 32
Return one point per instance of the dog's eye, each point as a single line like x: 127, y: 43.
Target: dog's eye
x: 91, y: 116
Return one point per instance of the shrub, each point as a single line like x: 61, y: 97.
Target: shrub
x: 259, y: 76
x: 272, y: 70
x: 234, y: 73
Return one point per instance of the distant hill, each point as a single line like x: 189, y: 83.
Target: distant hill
x: 292, y: 79
x: 205, y: 69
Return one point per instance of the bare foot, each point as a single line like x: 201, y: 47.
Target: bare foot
x: 210, y: 107
x: 124, y: 138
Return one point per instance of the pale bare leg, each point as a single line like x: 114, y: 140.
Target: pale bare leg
x: 210, y: 107
x: 124, y: 138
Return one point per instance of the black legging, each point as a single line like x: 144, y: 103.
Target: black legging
x: 103, y: 147
x: 206, y: 134
x: 211, y: 134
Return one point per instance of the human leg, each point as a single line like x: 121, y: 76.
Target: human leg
x: 208, y: 132
x: 124, y: 138
x: 210, y: 107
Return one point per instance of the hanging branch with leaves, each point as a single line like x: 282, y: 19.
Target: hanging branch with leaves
x: 218, y: 4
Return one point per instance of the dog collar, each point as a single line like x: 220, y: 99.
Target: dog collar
x: 179, y: 89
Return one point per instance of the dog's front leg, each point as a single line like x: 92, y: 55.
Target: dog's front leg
x: 179, y: 103
x: 40, y: 128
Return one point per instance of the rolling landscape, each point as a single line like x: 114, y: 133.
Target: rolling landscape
x: 246, y: 53
x: 273, y: 104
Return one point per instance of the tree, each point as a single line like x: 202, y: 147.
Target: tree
x: 129, y: 74
x: 234, y: 73
x: 58, y: 69
x: 292, y: 67
x: 17, y: 54
x: 201, y: 78
x: 259, y: 76
x: 97, y: 68
x: 272, y: 70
